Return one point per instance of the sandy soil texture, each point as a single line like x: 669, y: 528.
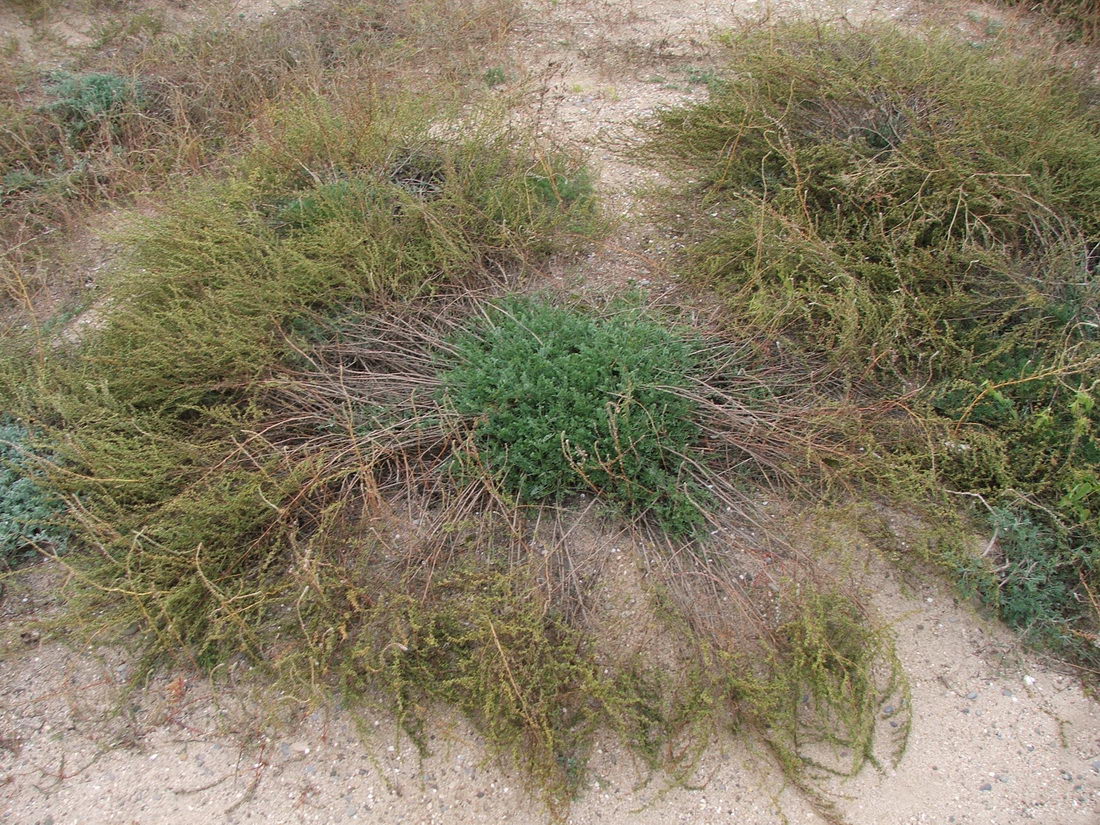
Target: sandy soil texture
x: 998, y: 737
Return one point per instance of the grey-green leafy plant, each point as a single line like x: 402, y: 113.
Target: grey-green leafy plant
x: 83, y: 102
x: 29, y: 512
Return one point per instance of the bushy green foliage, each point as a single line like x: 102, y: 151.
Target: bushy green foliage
x: 150, y: 408
x: 1040, y: 577
x: 569, y: 189
x: 568, y: 402
x: 494, y: 77
x: 920, y: 213
x: 87, y: 101
x: 832, y: 677
x: 30, y: 513
x: 897, y: 202
x: 325, y: 216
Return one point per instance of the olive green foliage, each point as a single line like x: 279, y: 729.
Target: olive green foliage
x: 922, y: 213
x: 31, y: 515
x: 568, y: 402
x: 833, y: 675
x: 897, y: 202
x: 145, y: 105
x: 85, y: 102
x: 486, y: 645
x: 333, y: 213
x: 150, y: 410
x: 494, y: 77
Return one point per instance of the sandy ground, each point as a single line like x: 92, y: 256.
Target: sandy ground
x: 998, y: 737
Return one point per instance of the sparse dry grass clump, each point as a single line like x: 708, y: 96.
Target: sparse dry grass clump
x: 1081, y: 17
x: 923, y: 215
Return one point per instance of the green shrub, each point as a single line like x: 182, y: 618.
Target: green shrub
x: 895, y: 202
x: 30, y: 513
x: 485, y: 644
x: 494, y: 77
x: 919, y: 213
x: 151, y: 408
x: 84, y: 102
x: 1040, y: 576
x: 568, y: 402
x: 332, y: 213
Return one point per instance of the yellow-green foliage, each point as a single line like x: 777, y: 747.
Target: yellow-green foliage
x: 150, y: 411
x: 895, y: 201
x: 212, y: 285
x: 919, y: 212
x: 146, y: 105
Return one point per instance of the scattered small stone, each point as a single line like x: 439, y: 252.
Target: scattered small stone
x: 986, y: 787
x: 1096, y: 766
x: 1066, y: 775
x: 1002, y: 778
x: 1006, y: 692
x: 1029, y: 680
x: 972, y: 695
x: 888, y: 711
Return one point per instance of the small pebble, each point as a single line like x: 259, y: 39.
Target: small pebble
x: 986, y: 787
x: 972, y: 695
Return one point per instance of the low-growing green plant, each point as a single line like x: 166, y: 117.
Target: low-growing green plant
x: 84, y: 102
x: 150, y: 408
x: 494, y: 77
x: 154, y: 105
x: 567, y: 402
x: 31, y: 514
x: 919, y: 206
x: 920, y: 213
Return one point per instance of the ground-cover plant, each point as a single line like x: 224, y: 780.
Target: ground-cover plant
x: 451, y: 409
x: 569, y: 402
x: 68, y: 143
x: 921, y: 214
x: 330, y: 509
x: 31, y: 514
x: 150, y: 408
x: 93, y: 101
